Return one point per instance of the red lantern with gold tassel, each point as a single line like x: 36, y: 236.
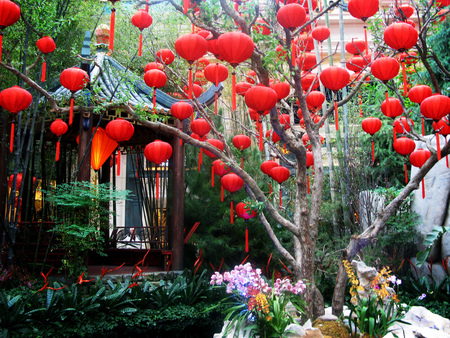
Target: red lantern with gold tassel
x: 112, y: 25
x: 280, y: 174
x: 404, y: 146
x: 418, y: 159
x: 200, y: 127
x: 45, y: 45
x: 58, y: 127
x: 141, y: 19
x: 309, y: 163
x: 232, y: 183
x: 74, y: 79
x: 216, y: 73
x: 119, y: 130
x: 371, y: 125
x: 14, y: 99
x: 266, y: 167
x: 220, y: 169
x: 235, y: 48
x: 245, y: 212
x: 158, y: 152
x: 155, y: 78
x: 242, y: 142
x: 9, y: 15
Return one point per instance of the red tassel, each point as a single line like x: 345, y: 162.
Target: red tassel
x: 185, y: 6
x: 111, y: 30
x: 233, y: 90
x: 280, y: 197
x: 406, y: 174
x: 284, y: 148
x: 71, y: 111
x: 232, y: 212
x: 140, y: 44
x: 212, y: 176
x: 118, y: 162
x: 1, y: 43
x: 261, y: 143
x: 57, y: 152
x: 365, y: 36
x: 201, y: 155
x: 293, y: 56
x: 423, y: 127
x: 242, y: 162
x: 395, y: 135
x: 423, y: 188
x: 11, y: 138
x: 190, y: 86
x: 388, y: 111
x: 44, y: 68
x: 246, y: 239
x: 215, y: 102
x: 404, y: 79
x: 157, y: 184
x: 154, y: 100
x: 373, y: 153
x: 146, y: 8
x: 336, y: 117
x: 221, y: 192
x: 360, y: 109
x: 307, y: 179
x: 438, y: 147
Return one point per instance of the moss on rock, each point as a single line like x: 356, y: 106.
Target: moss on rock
x: 332, y: 329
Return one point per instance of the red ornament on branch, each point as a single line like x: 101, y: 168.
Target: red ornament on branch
x: 309, y: 163
x: 58, y: 127
x: 141, y: 19
x: 158, y: 152
x: 418, y: 159
x: 101, y: 148
x: 404, y: 146
x: 9, y: 15
x: 119, y: 130
x: 371, y: 125
x: 155, y: 78
x: 74, y: 79
x: 216, y: 73
x: 280, y: 174
x: 220, y: 169
x: 45, y: 45
x: 232, y: 183
x: 112, y: 25
x: 165, y: 55
x: 244, y: 211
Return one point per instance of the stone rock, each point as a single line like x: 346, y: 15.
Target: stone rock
x: 439, y: 272
x: 445, y: 246
x: 313, y: 333
x: 328, y: 317
x: 292, y: 310
x: 294, y: 331
x: 364, y: 273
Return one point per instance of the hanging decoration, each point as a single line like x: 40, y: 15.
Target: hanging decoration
x: 371, y: 125
x: 261, y: 27
x: 309, y: 163
x: 158, y: 152
x: 417, y: 94
x: 404, y: 11
x: 443, y: 127
x: 153, y: 65
x: 220, y: 169
x: 232, y: 183
x: 216, y: 73
x: 200, y: 127
x: 280, y: 174
x: 335, y: 78
x: 400, y: 36
x: 245, y: 212
x: 242, y: 142
x: 45, y: 45
x: 363, y: 9
x: 404, y: 146
x: 266, y: 167
x: 190, y: 47
x: 141, y: 19
x: 9, y: 15
x: 119, y: 130
x: 181, y: 110
x: 235, y: 48
x: 310, y: 81
x: 402, y: 125
x: 217, y: 144
x: 242, y: 88
x: 418, y: 159
x: 436, y: 107
x: 356, y: 47
x: 251, y: 77
x: 281, y: 88
x: 197, y: 90
x: 73, y: 79
x: 58, y: 127
x: 101, y: 148
x: 155, y: 78
x: 273, y: 136
x: 166, y: 56
x: 314, y: 100
x: 112, y: 26
x: 14, y: 99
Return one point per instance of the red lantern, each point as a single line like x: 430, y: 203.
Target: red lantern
x: 270, y: 134
x: 395, y: 108
x: 235, y: 47
x: 204, y: 33
x: 9, y: 15
x: 385, y: 68
x: 242, y: 142
x: 401, y: 125
x: 315, y: 99
x: 112, y: 25
x: 400, y: 36
x: 197, y: 90
x: 320, y: 33
x: 371, y: 125
x: 45, y: 45
x: 281, y: 88
x: 251, y: 77
x: 153, y: 65
x: 309, y: 81
x: 200, y: 127
x: 418, y: 159
x: 158, y: 152
x: 280, y: 174
x: 418, y: 93
x: 14, y: 99
x: 306, y: 42
x: 216, y: 73
x: 58, y: 127
x: 243, y: 211
x: 181, y: 110
x: 404, y: 146
x: 357, y: 63
x: 220, y: 169
x: 155, y: 78
x: 261, y: 27
x: 306, y: 61
x: 74, y: 79
x: 190, y: 47
x: 266, y: 167
x: 199, y: 78
x: 232, y: 183
x: 166, y: 56
x: 215, y: 143
x: 356, y: 46
x: 404, y: 11
x: 242, y: 88
x: 101, y: 148
x: 363, y: 9
x: 309, y: 163
x: 141, y: 19
x: 119, y: 130
x: 443, y: 127
x: 291, y: 16
x: 281, y: 53
x: 335, y: 78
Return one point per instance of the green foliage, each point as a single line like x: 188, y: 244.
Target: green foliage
x: 430, y: 239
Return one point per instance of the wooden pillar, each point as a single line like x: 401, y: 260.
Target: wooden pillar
x: 177, y: 219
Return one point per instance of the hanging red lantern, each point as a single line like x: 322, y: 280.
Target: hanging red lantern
x: 400, y: 36
x: 320, y: 33
x: 309, y: 163
x: 315, y: 99
x: 443, y: 127
x: 385, y: 69
x: 190, y: 47
x: 101, y: 148
x: 14, y: 99
x: 200, y: 127
x: 273, y: 136
x: 74, y: 79
x: 442, y: 3
x: 307, y: 143
x: 404, y: 146
x: 401, y: 125
x: 158, y: 152
x: 220, y: 169
x: 356, y: 46
x: 216, y: 73
x: 204, y: 33
x: 281, y: 53
x: 418, y: 159
x: 395, y: 108
x: 45, y: 45
x: 201, y: 63
x: 9, y: 15
x: 232, y: 183
x: 261, y: 27
x: 153, y: 65
x: 58, y: 127
x: 181, y: 110
x: 251, y: 77
x: 306, y: 61
x: 197, y: 90
x: 371, y: 125
x: 235, y: 48
x: 291, y: 16
x: 215, y: 143
x: 244, y: 211
x: 119, y: 130
x: 155, y: 78
x: 165, y: 55
x: 418, y: 93
x: 404, y: 11
x: 305, y: 42
x: 285, y: 120
x: 310, y: 81
x: 112, y: 25
x: 281, y: 88
x: 363, y: 9
x: 335, y: 78
x: 266, y: 167
x: 141, y: 19
x: 242, y: 88
x: 242, y: 142
x: 199, y: 78
x: 280, y: 174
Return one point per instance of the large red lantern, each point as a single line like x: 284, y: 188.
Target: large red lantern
x: 417, y: 94
x: 155, y: 78
x: 58, y: 127
x: 335, y: 78
x: 190, y: 47
x: 291, y: 16
x: 181, y: 110
x: 395, y: 108
x: 266, y: 167
x: 165, y: 55
x: 400, y: 36
x: 310, y: 81
x: 101, y: 148
x: 14, y: 99
x: 74, y: 79
x: 306, y: 61
x: 232, y: 183
x: 281, y: 88
x: 356, y: 46
x: 245, y: 212
x: 315, y: 99
x: 119, y: 130
x: 158, y: 152
x: 242, y: 88
x: 235, y: 47
x: 280, y: 174
x: 216, y: 73
x: 141, y: 19
x: 242, y: 142
x: 9, y: 15
x: 363, y: 9
x: 45, y: 45
x: 402, y: 126
x: 153, y: 65
x: 371, y: 125
x: 309, y: 163
x: 215, y: 143
x: 320, y: 33
x: 357, y: 63
x: 404, y: 146
x: 220, y: 169
x: 418, y: 159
